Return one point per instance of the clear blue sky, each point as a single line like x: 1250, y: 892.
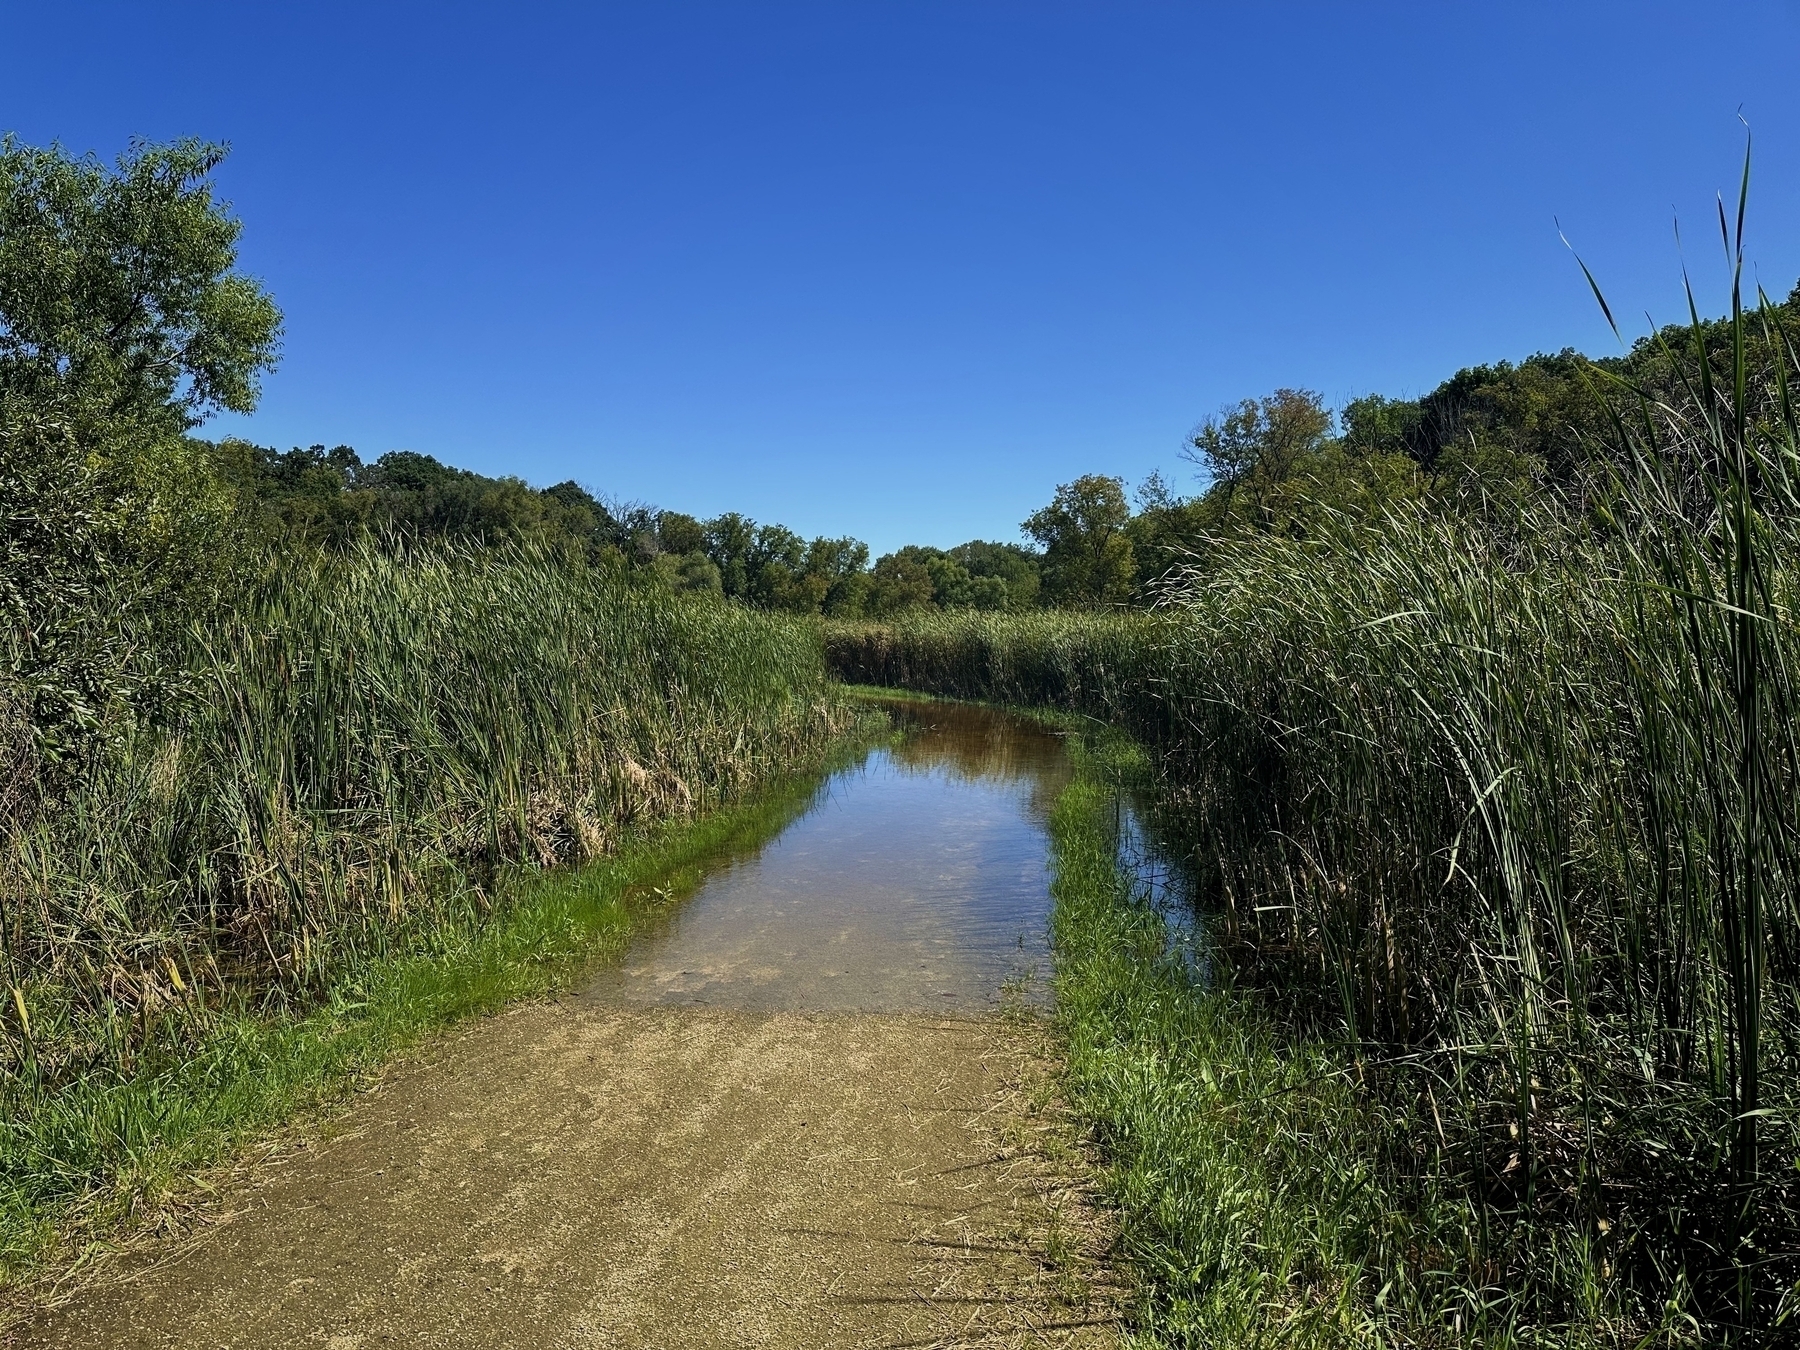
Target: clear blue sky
x: 897, y: 269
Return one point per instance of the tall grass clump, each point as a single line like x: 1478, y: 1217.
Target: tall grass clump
x: 364, y: 748
x: 1429, y: 788
x: 1505, y: 808
x: 1106, y: 663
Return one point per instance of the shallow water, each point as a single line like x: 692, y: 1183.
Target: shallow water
x: 917, y: 880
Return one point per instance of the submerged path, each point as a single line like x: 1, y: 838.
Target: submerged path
x: 794, y: 1118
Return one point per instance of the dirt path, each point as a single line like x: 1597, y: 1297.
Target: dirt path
x: 578, y: 1175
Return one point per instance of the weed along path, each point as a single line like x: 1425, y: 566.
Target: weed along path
x: 806, y: 1110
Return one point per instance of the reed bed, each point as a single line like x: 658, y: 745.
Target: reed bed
x: 1111, y: 662
x: 365, y: 750
x: 1506, y: 812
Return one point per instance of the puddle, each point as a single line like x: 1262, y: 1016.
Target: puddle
x: 917, y: 880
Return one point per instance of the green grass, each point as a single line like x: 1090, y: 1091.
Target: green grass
x: 340, y: 754
x: 1410, y: 774
x: 1233, y: 1200
x: 1090, y: 663
x: 86, y: 1156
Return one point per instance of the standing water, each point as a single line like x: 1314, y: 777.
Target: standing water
x: 916, y: 880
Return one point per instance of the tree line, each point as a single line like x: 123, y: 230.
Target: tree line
x: 314, y: 497
x: 1489, y: 439
x: 125, y: 323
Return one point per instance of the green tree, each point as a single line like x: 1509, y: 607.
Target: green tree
x: 843, y: 566
x: 772, y: 567
x: 681, y: 554
x: 1262, y: 442
x: 900, y: 582
x: 954, y: 586
x: 124, y: 321
x: 729, y: 540
x: 1376, y: 425
x: 776, y: 565
x: 123, y: 324
x: 312, y: 496
x: 1012, y: 565
x: 688, y: 572
x: 1087, y: 553
x: 119, y: 294
x: 570, y: 512
x: 1166, y: 530
x: 678, y: 533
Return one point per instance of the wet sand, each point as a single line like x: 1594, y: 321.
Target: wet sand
x: 572, y: 1176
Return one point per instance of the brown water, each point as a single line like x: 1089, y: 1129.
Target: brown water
x: 917, y: 880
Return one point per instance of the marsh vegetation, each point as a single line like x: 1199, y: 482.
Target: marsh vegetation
x: 240, y: 772
x: 1471, y: 720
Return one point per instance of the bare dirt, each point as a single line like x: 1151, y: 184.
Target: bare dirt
x: 573, y: 1175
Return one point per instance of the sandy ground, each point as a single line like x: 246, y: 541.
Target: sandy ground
x: 576, y: 1175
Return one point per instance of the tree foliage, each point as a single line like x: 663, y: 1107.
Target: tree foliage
x: 1087, y: 552
x: 119, y: 294
x: 123, y: 323
x: 1263, y: 440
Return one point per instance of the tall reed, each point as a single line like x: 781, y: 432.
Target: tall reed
x: 1508, y: 809
x: 372, y: 737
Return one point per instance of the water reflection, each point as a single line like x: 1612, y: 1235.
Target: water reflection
x: 916, y: 880
x: 976, y: 743
x: 1160, y: 881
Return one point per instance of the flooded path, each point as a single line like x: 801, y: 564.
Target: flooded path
x: 792, y: 1116
x: 915, y: 882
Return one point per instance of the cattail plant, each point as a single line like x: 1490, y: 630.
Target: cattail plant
x: 371, y: 739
